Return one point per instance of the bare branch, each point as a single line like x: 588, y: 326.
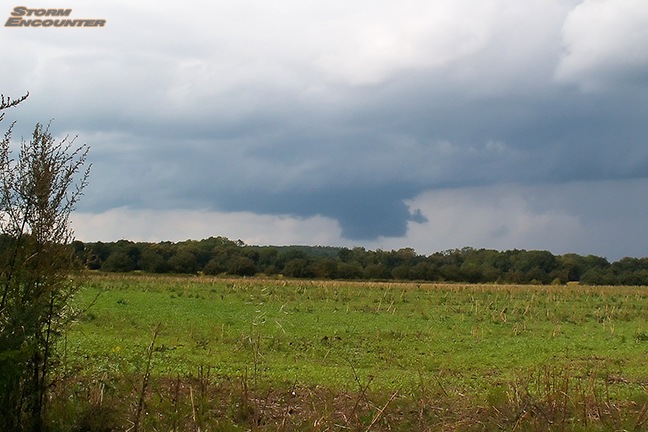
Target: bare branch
x: 7, y: 102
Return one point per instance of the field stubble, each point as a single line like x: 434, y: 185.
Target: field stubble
x: 293, y: 355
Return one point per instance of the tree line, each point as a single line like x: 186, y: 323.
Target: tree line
x: 221, y: 256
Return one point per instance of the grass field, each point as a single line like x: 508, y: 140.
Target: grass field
x: 194, y: 353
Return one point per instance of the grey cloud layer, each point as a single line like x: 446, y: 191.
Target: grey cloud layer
x: 346, y: 111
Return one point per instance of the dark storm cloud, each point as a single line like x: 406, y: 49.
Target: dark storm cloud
x: 361, y: 172
x: 363, y: 215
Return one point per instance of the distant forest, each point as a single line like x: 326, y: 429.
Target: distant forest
x: 221, y: 256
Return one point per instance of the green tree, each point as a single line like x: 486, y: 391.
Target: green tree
x: 184, y: 261
x: 325, y: 268
x: 349, y: 270
x: 213, y: 267
x: 118, y: 261
x: 423, y: 271
x: 377, y: 271
x: 298, y: 268
x: 152, y: 261
x: 39, y: 190
x: 241, y: 266
x: 96, y: 254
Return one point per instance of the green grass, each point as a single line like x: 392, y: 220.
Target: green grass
x: 483, y: 342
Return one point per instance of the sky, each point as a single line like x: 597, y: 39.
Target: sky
x: 432, y: 124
